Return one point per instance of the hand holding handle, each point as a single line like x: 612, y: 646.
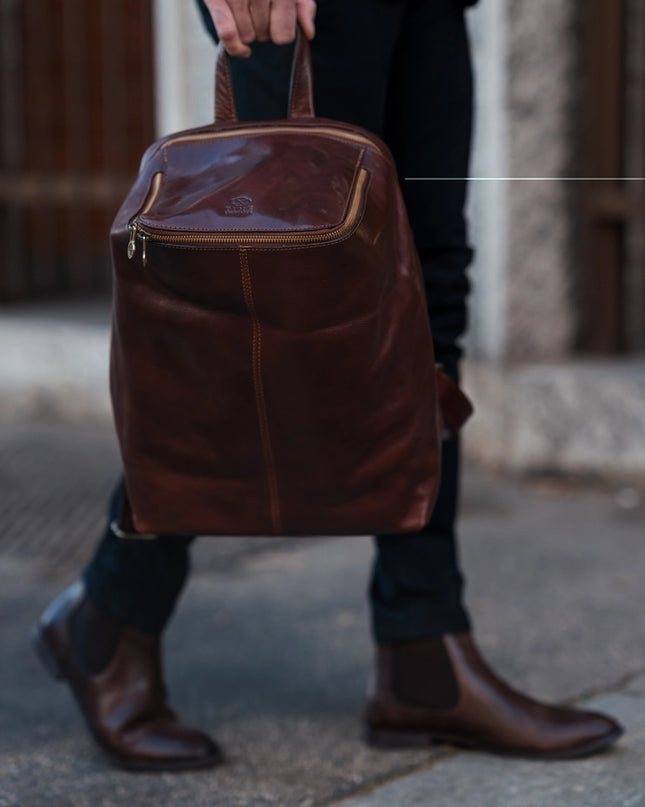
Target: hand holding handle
x: 301, y: 93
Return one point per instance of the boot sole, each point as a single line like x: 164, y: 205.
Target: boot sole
x: 386, y: 739
x: 161, y: 767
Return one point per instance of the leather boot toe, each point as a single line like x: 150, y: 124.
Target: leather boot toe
x: 167, y: 743
x: 124, y: 704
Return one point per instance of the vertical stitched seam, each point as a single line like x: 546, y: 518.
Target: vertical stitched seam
x: 295, y: 90
x: 260, y: 400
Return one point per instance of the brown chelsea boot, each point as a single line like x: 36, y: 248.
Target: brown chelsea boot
x: 124, y: 703
x: 440, y: 690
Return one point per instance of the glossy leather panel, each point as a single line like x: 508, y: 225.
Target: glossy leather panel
x: 269, y: 182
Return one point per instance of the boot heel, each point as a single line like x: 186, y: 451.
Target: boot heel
x: 384, y: 738
x: 46, y: 655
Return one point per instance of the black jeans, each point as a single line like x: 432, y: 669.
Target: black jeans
x: 401, y: 69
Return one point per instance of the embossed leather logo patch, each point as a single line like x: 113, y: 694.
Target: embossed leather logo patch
x: 239, y: 206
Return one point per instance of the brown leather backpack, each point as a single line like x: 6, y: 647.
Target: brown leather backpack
x: 272, y: 369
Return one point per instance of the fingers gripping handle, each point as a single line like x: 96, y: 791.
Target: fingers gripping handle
x: 301, y: 92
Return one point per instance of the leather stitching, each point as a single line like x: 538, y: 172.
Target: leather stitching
x: 260, y: 400
x: 179, y: 142
x: 295, y: 108
x: 297, y: 68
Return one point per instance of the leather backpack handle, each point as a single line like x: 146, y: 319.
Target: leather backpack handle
x: 301, y: 90
x: 224, y: 95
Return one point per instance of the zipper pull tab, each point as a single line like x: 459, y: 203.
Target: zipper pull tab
x: 132, y: 243
x: 144, y: 244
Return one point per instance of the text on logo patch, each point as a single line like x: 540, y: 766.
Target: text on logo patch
x: 239, y: 206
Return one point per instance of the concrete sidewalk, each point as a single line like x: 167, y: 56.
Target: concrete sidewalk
x: 55, y: 361
x: 270, y: 648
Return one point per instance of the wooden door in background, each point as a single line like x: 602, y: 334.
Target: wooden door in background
x: 76, y: 103
x: 613, y: 209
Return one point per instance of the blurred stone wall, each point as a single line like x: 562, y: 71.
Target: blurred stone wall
x: 544, y: 77
x: 184, y: 67
x: 539, y: 406
x: 527, y: 58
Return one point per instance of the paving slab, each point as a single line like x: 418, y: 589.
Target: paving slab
x: 270, y: 646
x: 271, y: 658
x: 613, y: 779
x: 635, y: 686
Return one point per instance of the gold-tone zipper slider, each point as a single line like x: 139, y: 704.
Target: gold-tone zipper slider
x: 135, y: 233
x: 132, y: 243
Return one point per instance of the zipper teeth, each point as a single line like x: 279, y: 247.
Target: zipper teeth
x: 242, y: 238
x: 352, y: 136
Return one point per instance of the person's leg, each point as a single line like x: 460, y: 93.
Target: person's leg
x: 137, y: 581
x: 102, y: 635
x: 430, y: 682
x: 416, y: 587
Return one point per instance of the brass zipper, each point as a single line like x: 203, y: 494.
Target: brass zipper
x: 239, y: 239
x: 354, y: 137
x: 133, y: 226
